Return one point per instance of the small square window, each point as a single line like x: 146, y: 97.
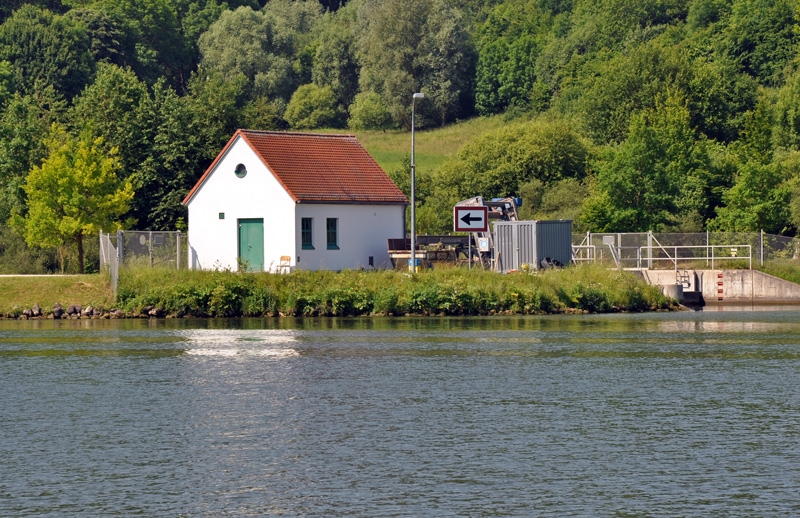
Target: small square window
x: 333, y: 233
x: 221, y: 215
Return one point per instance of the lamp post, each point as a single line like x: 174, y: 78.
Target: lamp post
x: 413, y: 265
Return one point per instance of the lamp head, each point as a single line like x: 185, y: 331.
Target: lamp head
x: 419, y: 95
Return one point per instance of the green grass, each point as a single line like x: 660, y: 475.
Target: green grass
x: 433, y: 146
x: 24, y: 292
x: 444, y: 291
x: 783, y: 268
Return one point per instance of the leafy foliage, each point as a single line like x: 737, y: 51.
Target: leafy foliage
x: 652, y: 115
x: 48, y: 49
x: 74, y: 194
x: 312, y: 107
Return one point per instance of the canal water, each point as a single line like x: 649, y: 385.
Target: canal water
x: 666, y: 414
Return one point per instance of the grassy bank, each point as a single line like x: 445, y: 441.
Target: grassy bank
x: 47, y: 290
x: 433, y: 146
x: 450, y: 291
x: 786, y: 269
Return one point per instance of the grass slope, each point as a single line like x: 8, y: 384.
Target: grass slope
x: 46, y: 290
x: 433, y: 146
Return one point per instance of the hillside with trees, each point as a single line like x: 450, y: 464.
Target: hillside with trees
x: 664, y: 115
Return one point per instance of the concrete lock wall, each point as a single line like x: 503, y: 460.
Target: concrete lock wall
x: 719, y: 286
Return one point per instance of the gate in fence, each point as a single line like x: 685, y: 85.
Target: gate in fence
x: 126, y: 248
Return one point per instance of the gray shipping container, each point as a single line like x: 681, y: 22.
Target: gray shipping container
x: 530, y: 242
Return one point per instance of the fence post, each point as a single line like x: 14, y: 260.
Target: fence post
x: 649, y: 249
x: 178, y: 258
x: 762, y: 248
x: 707, y: 251
x: 120, y: 247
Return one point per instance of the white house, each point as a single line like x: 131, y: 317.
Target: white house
x: 320, y: 201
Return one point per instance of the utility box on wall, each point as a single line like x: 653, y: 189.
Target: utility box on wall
x: 537, y: 243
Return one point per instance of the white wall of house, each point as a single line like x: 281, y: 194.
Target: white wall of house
x: 213, y: 241
x: 363, y: 231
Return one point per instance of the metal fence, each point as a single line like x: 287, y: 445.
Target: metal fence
x: 156, y: 249
x: 652, y: 250
x: 109, y: 259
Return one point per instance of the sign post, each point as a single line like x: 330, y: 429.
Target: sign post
x: 470, y: 219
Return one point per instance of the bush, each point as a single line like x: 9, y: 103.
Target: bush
x: 449, y: 291
x: 312, y: 107
x: 368, y: 112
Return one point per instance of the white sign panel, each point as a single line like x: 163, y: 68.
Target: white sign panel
x: 470, y: 219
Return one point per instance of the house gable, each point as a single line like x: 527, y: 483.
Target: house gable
x: 317, y: 168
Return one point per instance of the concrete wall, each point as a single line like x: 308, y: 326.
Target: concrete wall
x: 731, y: 285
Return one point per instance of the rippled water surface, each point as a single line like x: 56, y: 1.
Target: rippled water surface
x: 668, y: 414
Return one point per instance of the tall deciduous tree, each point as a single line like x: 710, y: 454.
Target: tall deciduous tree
x: 335, y: 62
x: 658, y: 177
x: 408, y: 46
x: 260, y: 45
x: 24, y: 124
x: 47, y: 49
x: 75, y: 193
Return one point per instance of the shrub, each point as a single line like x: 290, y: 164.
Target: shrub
x: 311, y: 107
x: 368, y: 112
x: 386, y: 301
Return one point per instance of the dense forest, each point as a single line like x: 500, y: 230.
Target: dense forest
x: 664, y: 115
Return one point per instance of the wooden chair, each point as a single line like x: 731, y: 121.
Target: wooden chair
x: 285, y: 264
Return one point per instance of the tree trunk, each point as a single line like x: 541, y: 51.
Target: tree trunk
x: 79, y: 241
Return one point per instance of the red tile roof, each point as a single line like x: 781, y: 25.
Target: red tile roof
x: 319, y: 168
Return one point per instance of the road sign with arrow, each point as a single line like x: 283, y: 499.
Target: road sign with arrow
x: 470, y: 219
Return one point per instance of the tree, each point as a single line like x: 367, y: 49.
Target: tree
x: 312, y: 107
x: 161, y: 49
x: 658, y: 177
x: 369, y: 113
x: 409, y: 46
x: 24, y: 124
x: 495, y: 164
x: 6, y: 82
x: 335, y: 62
x: 47, y: 49
x: 117, y: 107
x: 75, y: 193
x: 260, y: 45
x: 759, y: 200
x: 762, y: 45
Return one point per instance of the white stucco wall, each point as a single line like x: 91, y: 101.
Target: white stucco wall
x: 213, y: 242
x: 363, y: 231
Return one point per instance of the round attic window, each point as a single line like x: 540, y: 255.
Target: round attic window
x: 240, y: 171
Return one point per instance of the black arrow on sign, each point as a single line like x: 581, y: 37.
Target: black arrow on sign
x: 467, y: 218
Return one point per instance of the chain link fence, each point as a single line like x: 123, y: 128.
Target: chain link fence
x: 131, y: 248
x: 653, y: 250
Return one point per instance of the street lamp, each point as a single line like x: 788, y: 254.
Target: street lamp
x: 413, y: 265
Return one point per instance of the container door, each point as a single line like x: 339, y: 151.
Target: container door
x: 251, y: 244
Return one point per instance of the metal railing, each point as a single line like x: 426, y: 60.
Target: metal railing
x: 650, y: 250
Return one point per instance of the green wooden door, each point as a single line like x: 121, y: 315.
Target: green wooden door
x: 251, y: 244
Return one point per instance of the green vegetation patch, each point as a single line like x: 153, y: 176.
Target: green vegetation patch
x: 25, y: 291
x: 445, y: 291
